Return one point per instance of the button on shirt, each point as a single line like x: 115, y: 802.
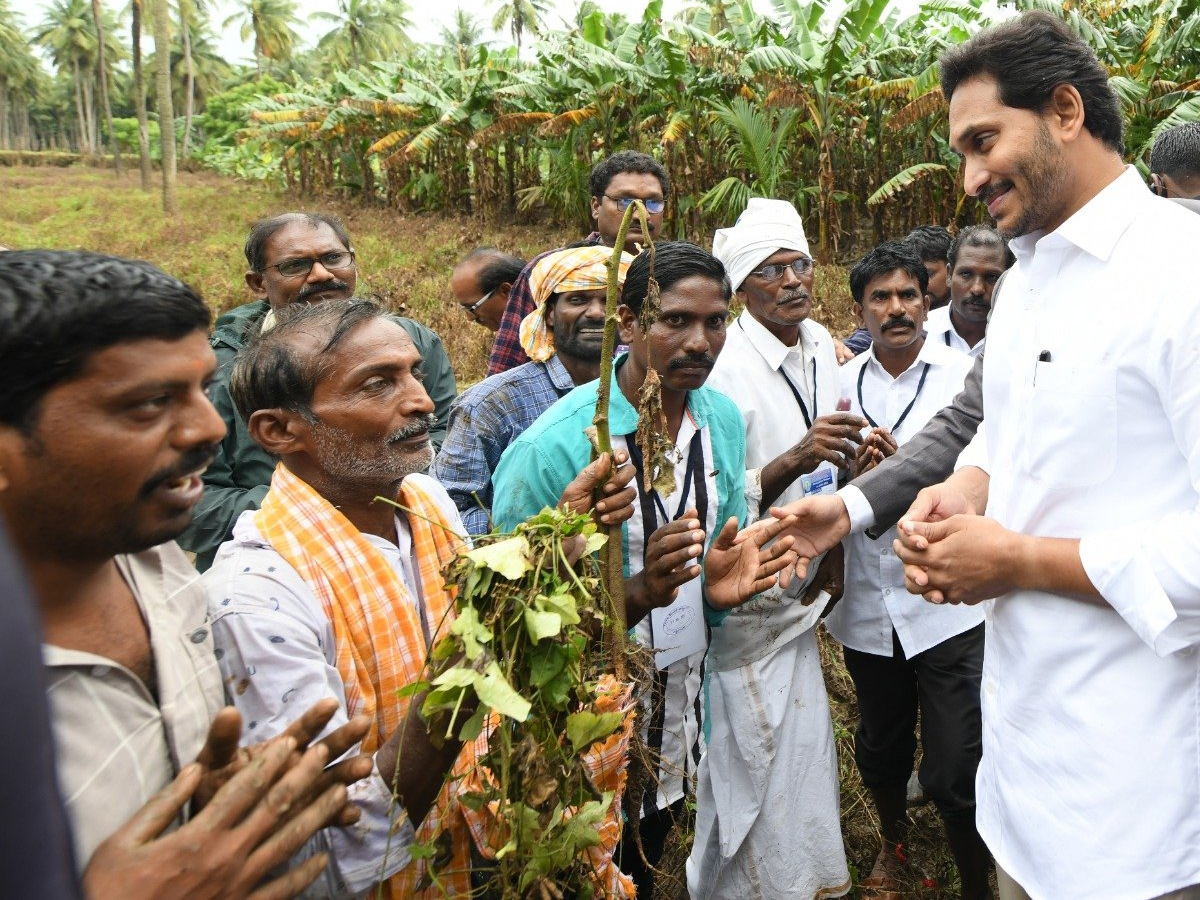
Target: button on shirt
x: 116, y: 744
x: 875, y: 599
x: 940, y: 328
x: 484, y: 420
x: 1090, y: 780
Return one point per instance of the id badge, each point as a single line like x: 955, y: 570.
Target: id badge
x: 822, y: 480
x: 679, y: 628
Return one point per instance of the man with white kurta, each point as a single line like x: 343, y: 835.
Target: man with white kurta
x: 1076, y: 505
x: 904, y: 655
x: 767, y: 801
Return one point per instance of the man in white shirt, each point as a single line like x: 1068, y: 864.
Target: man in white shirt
x: 904, y: 655
x: 1076, y: 506
x: 756, y: 795
x: 978, y: 257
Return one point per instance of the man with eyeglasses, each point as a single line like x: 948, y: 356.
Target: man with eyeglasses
x: 614, y: 184
x: 776, y: 832
x: 292, y: 258
x: 481, y: 283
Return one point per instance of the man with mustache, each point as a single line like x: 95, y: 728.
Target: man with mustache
x: 104, y: 430
x: 563, y: 339
x: 904, y: 655
x: 978, y: 257
x: 667, y: 537
x: 1075, y: 505
x: 614, y: 183
x: 327, y: 592
x: 779, y: 368
x: 292, y: 258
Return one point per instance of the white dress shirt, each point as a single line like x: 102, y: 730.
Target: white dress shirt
x: 276, y: 651
x: 875, y: 599
x: 939, y: 327
x: 1090, y: 780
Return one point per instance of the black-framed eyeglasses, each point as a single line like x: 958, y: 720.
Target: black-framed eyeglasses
x: 293, y: 268
x: 472, y: 309
x: 652, y: 206
x: 801, y: 266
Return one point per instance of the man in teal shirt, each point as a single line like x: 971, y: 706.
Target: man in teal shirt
x: 667, y: 602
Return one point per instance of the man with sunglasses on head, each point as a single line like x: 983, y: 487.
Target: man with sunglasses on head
x: 292, y: 258
x: 775, y: 834
x: 614, y: 184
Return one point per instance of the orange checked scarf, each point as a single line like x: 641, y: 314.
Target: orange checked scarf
x: 377, y: 627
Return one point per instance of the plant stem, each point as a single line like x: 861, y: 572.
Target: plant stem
x: 612, y: 570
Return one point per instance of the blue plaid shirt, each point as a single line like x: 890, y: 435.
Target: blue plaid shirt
x: 484, y: 420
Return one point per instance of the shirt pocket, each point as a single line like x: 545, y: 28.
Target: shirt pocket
x: 1072, y: 440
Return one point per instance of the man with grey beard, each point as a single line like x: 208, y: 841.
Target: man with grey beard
x: 327, y: 591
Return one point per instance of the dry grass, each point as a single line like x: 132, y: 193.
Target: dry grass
x: 406, y: 261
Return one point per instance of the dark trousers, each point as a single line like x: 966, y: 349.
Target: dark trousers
x: 942, y: 682
x: 654, y: 829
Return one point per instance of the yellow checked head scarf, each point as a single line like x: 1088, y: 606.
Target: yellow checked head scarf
x: 577, y: 269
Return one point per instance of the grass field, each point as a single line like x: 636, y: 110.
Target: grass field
x: 406, y: 261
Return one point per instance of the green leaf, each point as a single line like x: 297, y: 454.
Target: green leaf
x: 594, y: 542
x: 509, y: 557
x: 561, y: 603
x: 472, y: 728
x: 584, y: 728
x: 494, y: 690
x: 472, y: 631
x: 542, y: 625
x: 546, y: 662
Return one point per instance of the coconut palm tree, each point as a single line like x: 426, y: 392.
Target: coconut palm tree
x: 520, y: 16
x: 364, y: 31
x: 68, y: 32
x: 273, y: 24
x: 102, y: 78
x: 139, y: 92
x: 166, y: 112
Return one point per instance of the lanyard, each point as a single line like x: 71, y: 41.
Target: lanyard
x: 907, y: 409
x: 652, y: 503
x: 808, y: 419
x: 946, y: 337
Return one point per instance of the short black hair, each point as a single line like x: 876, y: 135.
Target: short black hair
x: 627, y: 161
x: 1176, y: 151
x: 260, y: 233
x: 273, y: 373
x: 980, y: 236
x: 887, y: 257
x: 931, y: 242
x: 502, y: 268
x: 58, y: 307
x: 673, y: 262
x: 1029, y: 57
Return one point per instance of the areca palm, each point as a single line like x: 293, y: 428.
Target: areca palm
x: 273, y: 24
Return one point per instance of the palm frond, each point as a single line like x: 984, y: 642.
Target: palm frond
x: 904, y: 179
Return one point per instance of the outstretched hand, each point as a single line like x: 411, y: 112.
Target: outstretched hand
x: 739, y: 565
x: 815, y: 524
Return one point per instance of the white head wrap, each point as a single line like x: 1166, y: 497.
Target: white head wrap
x: 765, y: 227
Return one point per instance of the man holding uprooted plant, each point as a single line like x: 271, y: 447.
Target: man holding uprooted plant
x: 328, y: 592
x: 667, y: 536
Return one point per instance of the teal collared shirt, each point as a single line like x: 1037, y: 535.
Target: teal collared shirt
x: 537, y: 467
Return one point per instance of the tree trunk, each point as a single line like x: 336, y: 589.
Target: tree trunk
x: 166, y: 111
x: 102, y: 73
x: 80, y: 122
x: 190, y: 95
x: 139, y: 96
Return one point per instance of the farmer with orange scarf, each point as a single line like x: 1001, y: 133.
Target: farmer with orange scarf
x: 327, y: 592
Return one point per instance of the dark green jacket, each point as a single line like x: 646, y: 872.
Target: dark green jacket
x: 240, y: 474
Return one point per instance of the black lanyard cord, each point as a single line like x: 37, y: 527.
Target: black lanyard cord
x: 808, y: 419
x: 911, y: 403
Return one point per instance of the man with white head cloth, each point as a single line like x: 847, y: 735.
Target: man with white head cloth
x: 767, y: 802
